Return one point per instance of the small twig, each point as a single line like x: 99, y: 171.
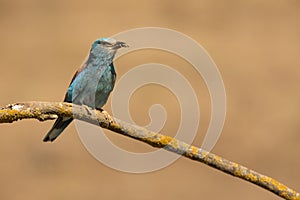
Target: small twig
x: 48, y: 111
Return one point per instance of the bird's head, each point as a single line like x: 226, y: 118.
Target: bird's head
x: 106, y: 47
x: 109, y: 44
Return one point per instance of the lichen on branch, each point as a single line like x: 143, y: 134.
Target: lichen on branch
x: 50, y: 110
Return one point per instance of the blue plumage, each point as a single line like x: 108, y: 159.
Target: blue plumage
x: 92, y: 83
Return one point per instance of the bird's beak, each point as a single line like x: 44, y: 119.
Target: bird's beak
x: 119, y: 45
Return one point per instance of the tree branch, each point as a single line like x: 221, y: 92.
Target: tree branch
x: 49, y: 111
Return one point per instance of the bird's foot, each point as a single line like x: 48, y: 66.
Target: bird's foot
x: 88, y: 109
x: 107, y: 116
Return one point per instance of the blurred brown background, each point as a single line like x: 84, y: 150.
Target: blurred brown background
x: 256, y: 45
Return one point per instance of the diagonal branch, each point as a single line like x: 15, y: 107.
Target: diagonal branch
x: 48, y: 111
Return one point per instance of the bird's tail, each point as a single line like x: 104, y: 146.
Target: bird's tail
x: 60, y: 124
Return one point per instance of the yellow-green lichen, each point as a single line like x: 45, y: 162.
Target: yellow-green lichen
x: 165, y: 140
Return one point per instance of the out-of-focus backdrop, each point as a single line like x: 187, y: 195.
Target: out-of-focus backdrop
x: 256, y: 45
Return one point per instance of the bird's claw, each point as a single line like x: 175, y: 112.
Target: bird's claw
x: 88, y: 109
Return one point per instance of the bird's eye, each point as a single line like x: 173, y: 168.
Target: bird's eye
x: 104, y: 43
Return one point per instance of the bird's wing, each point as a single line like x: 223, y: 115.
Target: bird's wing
x: 72, y: 96
x: 68, y: 96
x: 83, y: 65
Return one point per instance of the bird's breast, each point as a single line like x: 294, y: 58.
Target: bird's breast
x: 104, y: 87
x: 93, y: 86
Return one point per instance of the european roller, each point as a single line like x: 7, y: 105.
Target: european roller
x: 92, y: 83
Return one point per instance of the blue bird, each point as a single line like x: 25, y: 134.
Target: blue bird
x: 92, y: 83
